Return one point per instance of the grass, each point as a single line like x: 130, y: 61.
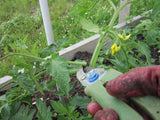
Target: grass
x: 19, y: 18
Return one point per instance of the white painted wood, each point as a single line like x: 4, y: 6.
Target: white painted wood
x: 124, y: 12
x: 4, y: 80
x: 47, y: 22
x: 88, y: 45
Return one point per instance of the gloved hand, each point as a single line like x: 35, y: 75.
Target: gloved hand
x: 140, y: 81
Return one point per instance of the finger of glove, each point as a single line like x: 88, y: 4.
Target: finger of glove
x: 137, y: 82
x: 93, y: 108
x: 106, y: 114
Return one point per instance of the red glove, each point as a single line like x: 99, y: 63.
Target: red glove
x: 137, y: 82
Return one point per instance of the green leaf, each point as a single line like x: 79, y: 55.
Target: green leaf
x: 46, y: 85
x: 44, y: 112
x: 59, y: 107
x: 46, y: 51
x: 24, y: 113
x: 25, y: 82
x: 144, y: 49
x: 39, y: 87
x: 17, y: 111
x: 156, y: 9
x: 57, y: 68
x: 119, y: 65
x: 89, y: 26
x: 151, y: 36
x: 82, y: 6
x: 27, y: 99
x: 80, y: 101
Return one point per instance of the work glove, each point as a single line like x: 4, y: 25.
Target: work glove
x: 139, y: 81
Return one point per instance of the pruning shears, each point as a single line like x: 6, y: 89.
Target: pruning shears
x: 94, y: 79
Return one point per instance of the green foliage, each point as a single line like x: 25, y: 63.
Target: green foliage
x: 57, y: 67
x: 144, y: 49
x: 89, y: 26
x: 22, y: 31
x: 25, y: 82
x: 59, y: 107
x: 156, y: 9
x: 11, y: 30
x: 17, y: 111
x: 66, y: 111
x: 44, y: 112
x: 80, y: 101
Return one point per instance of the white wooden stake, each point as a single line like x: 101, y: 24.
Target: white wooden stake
x: 47, y: 22
x: 124, y: 12
x: 48, y: 29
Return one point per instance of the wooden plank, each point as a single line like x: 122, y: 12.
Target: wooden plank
x: 4, y: 80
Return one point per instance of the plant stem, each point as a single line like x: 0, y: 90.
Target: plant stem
x: 73, y: 71
x: 112, y: 4
x: 115, y: 15
x: 21, y: 54
x: 126, y: 57
x: 40, y: 73
x: 77, y: 63
x: 97, y: 50
x: 101, y: 40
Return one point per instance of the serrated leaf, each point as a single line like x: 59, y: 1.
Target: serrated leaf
x: 17, y: 111
x: 24, y: 113
x: 57, y: 68
x: 89, y: 26
x: 151, y: 36
x: 46, y: 85
x: 44, y: 112
x: 120, y: 66
x: 25, y: 82
x: 59, y: 107
x: 144, y: 49
x: 80, y: 101
x: 82, y: 6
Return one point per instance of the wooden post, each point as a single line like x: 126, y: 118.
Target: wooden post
x: 124, y: 12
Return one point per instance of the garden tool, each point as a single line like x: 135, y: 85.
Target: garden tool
x: 93, y: 79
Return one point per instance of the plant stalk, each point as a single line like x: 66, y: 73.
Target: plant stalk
x: 21, y: 54
x: 101, y: 40
x: 112, y: 4
x: 115, y: 15
x: 77, y: 63
x: 126, y: 57
x: 97, y: 50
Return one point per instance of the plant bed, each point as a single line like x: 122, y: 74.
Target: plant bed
x: 41, y: 81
